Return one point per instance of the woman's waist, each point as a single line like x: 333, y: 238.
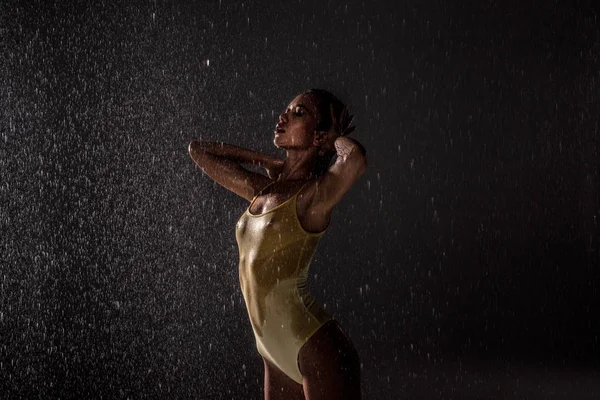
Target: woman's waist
x: 271, y: 271
x: 271, y: 282
x: 284, y: 302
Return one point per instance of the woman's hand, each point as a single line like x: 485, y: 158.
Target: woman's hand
x: 274, y: 167
x: 341, y: 126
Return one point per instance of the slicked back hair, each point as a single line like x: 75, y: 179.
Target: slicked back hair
x: 324, y: 100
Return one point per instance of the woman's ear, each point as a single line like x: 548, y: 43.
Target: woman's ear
x: 320, y: 138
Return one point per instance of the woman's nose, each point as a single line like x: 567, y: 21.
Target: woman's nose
x: 283, y: 117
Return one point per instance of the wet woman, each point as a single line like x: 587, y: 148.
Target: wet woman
x: 306, y: 354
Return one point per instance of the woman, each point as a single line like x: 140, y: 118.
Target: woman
x: 306, y: 354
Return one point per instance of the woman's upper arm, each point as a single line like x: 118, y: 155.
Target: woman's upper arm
x: 338, y: 180
x: 229, y: 174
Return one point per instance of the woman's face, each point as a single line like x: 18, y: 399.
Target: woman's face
x: 296, y: 126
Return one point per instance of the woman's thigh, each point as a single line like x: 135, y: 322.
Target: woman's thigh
x: 279, y: 386
x: 330, y: 365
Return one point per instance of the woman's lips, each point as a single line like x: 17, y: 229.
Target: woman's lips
x: 279, y: 129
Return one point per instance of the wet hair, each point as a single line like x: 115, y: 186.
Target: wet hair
x: 324, y: 100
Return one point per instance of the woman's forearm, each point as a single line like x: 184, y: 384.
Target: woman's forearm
x: 231, y: 152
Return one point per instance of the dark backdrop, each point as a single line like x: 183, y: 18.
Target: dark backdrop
x: 463, y: 263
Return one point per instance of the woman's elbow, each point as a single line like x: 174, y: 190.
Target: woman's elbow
x: 195, y: 148
x: 363, y: 164
x: 360, y: 160
x: 191, y: 146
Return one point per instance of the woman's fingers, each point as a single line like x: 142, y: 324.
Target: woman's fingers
x: 348, y: 121
x: 342, y: 125
x: 344, y: 116
x: 333, y: 118
x: 349, y: 130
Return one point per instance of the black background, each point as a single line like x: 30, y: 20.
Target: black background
x: 463, y: 264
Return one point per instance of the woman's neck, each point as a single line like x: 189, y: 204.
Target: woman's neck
x: 298, y: 167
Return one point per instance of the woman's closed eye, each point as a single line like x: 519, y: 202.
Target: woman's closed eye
x: 298, y: 111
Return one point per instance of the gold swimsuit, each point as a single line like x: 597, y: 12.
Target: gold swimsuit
x: 275, y: 254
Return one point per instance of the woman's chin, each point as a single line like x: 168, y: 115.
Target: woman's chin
x: 277, y: 140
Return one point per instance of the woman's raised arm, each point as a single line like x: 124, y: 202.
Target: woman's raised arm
x: 224, y: 163
x: 350, y: 164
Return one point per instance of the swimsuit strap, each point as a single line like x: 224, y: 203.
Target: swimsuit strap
x: 262, y: 190
x: 272, y: 182
x: 298, y: 192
